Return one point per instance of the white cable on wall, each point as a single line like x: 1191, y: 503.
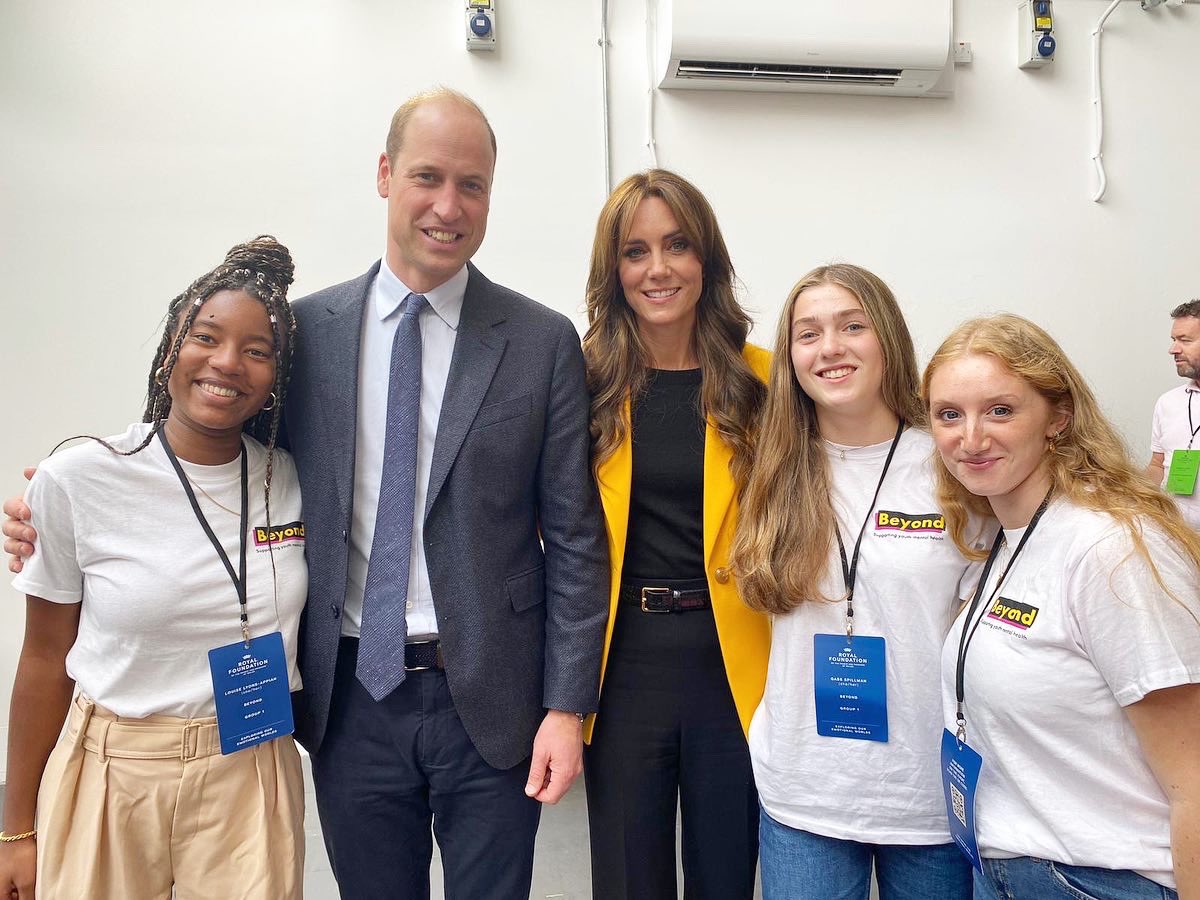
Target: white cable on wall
x: 1098, y: 106
x: 650, y: 41
x: 604, y: 43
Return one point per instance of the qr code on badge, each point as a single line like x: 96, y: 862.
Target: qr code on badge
x: 960, y: 805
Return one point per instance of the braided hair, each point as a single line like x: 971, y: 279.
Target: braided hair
x: 263, y: 269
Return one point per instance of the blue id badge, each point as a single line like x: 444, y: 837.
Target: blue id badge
x: 960, y: 777
x: 250, y: 686
x: 850, y: 677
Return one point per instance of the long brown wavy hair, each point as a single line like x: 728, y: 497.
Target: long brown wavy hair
x: 1089, y: 464
x: 785, y: 524
x: 617, y: 358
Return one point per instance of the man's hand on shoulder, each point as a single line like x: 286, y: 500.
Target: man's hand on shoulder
x: 557, y: 756
x: 19, y: 535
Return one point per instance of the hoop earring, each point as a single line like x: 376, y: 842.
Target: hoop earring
x: 158, y: 373
x: 273, y: 399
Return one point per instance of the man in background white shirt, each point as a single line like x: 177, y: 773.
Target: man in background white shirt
x: 1176, y: 423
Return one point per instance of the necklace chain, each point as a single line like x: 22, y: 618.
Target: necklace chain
x: 214, y: 499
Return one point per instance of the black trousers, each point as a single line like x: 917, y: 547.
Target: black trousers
x: 386, y: 771
x: 668, y: 735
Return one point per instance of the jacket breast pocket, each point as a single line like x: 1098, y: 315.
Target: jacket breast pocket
x: 527, y: 589
x: 502, y: 411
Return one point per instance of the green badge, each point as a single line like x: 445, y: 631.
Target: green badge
x: 1181, y: 479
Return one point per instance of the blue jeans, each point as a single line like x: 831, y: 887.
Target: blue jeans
x: 1030, y: 878
x: 800, y: 865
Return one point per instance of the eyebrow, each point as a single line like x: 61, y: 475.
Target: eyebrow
x: 265, y: 337
x: 841, y: 314
x: 666, y: 237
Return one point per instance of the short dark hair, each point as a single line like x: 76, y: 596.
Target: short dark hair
x: 1190, y: 309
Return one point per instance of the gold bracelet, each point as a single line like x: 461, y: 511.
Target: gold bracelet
x: 9, y: 838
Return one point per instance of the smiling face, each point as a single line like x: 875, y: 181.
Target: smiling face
x: 836, y: 355
x: 661, y: 274
x: 1185, y: 346
x: 437, y: 187
x: 223, y: 376
x: 991, y: 430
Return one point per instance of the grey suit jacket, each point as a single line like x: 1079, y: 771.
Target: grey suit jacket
x: 514, y: 539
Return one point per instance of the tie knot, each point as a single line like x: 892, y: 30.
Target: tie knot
x: 413, y: 304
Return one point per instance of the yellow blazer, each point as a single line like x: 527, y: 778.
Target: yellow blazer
x: 745, y: 635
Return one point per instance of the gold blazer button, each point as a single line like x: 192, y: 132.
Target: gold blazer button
x: 722, y: 575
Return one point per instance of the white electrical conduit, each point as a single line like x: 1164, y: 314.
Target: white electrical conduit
x: 1098, y: 105
x: 604, y: 43
x: 650, y: 40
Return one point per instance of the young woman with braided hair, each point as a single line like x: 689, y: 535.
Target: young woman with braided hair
x: 166, y: 588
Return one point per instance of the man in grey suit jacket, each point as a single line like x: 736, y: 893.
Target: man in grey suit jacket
x: 509, y: 542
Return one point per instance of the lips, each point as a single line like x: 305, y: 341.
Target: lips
x: 218, y: 390
x: 836, y: 372
x: 661, y: 293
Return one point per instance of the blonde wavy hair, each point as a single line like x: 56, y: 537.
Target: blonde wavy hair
x: 1088, y: 462
x: 617, y: 359
x: 785, y: 522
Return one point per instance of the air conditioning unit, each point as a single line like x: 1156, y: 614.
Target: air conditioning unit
x: 897, y: 48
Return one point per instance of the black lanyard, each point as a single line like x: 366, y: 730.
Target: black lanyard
x: 969, y: 629
x: 238, y: 578
x: 850, y: 567
x: 1193, y: 429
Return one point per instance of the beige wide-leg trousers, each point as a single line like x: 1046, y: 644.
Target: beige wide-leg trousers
x: 129, y: 808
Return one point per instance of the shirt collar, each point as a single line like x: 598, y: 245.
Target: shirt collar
x: 446, y: 299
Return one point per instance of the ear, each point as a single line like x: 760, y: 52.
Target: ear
x: 1059, y: 423
x: 383, y: 176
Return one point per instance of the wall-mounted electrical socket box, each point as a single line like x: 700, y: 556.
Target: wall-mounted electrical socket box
x: 481, y: 24
x: 1035, y: 40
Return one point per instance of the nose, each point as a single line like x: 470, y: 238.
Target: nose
x: 446, y: 205
x: 832, y: 343
x: 974, y: 436
x: 226, y: 357
x: 1175, y: 348
x: 658, y: 266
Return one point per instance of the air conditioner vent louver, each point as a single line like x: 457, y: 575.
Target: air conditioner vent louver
x: 784, y: 73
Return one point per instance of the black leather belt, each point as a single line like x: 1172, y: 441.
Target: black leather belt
x: 666, y: 600
x: 420, y: 656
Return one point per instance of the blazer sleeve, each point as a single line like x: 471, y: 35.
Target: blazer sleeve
x: 572, y: 530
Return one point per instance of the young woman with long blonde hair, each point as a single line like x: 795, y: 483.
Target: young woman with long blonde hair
x: 1073, y: 677
x: 841, y: 541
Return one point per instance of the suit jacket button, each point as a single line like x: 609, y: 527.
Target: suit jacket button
x: 722, y: 575
x: 336, y: 611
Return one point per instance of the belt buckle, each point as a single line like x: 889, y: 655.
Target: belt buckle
x: 652, y: 593
x: 418, y: 644
x: 188, y: 749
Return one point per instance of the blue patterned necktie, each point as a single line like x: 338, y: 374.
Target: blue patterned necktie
x: 380, y: 666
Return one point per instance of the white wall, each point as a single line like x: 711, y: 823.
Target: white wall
x: 140, y: 140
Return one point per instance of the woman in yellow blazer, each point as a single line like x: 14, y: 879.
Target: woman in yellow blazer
x: 676, y: 392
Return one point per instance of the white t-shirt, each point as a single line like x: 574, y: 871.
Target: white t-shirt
x: 1169, y: 432
x: 117, y: 533
x: 909, y: 582
x: 1078, y: 630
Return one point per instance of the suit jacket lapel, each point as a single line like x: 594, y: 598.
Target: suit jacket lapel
x: 340, y: 341
x: 478, y: 349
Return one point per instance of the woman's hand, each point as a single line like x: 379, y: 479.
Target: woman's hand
x: 18, y: 869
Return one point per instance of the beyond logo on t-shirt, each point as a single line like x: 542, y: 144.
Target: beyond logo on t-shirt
x: 1013, y: 612
x: 278, y: 534
x: 890, y: 520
